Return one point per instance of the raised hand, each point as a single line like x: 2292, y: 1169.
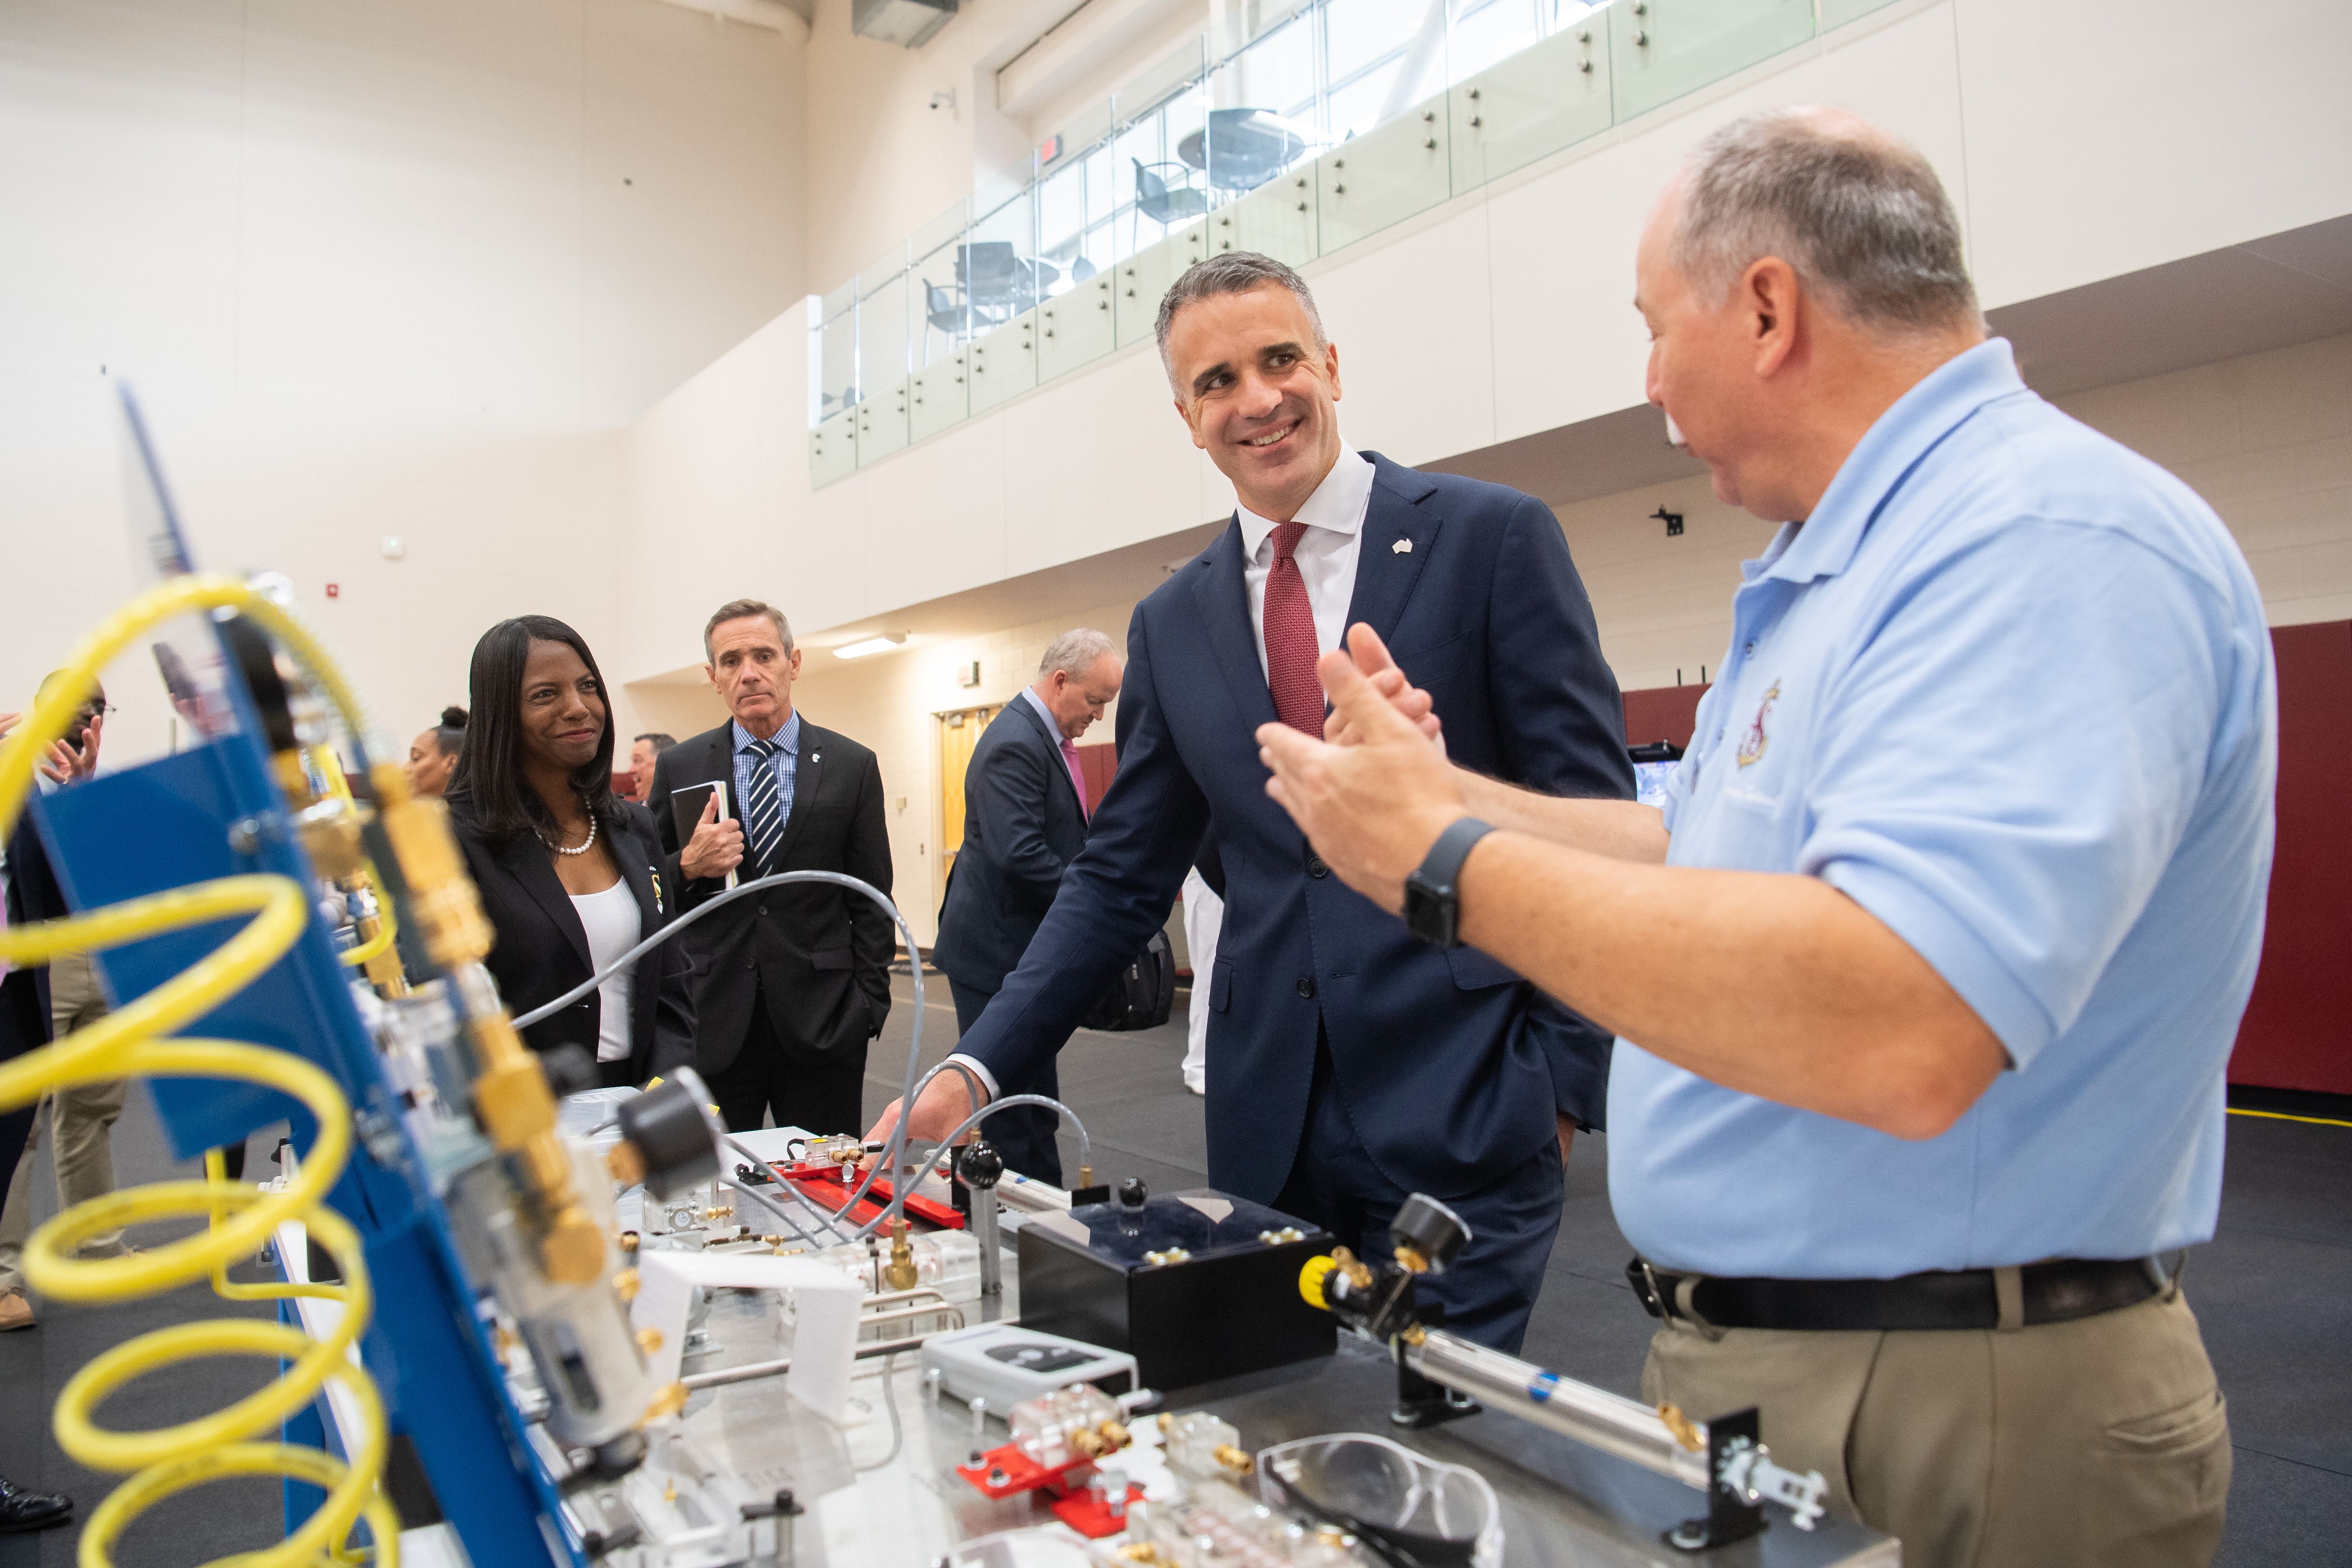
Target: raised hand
x: 716, y: 847
x: 1372, y: 806
x: 1373, y: 660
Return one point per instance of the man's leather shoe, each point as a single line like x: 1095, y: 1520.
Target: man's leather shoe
x: 21, y: 1509
x: 15, y: 1309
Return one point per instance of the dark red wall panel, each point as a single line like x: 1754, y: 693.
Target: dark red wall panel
x: 1096, y: 765
x: 1662, y: 713
x: 2297, y: 1032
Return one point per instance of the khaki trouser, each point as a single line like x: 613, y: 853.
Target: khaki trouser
x: 2104, y: 1441
x: 81, y: 1123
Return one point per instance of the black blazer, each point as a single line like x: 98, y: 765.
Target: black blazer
x: 33, y: 896
x: 818, y: 953
x: 1022, y: 825
x: 1451, y: 1064
x: 542, y: 949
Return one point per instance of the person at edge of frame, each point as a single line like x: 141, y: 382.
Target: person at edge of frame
x: 1928, y: 975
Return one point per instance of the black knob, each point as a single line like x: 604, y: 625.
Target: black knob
x: 980, y: 1166
x: 667, y: 1127
x: 1132, y: 1194
x: 1306, y: 985
x: 1430, y: 1228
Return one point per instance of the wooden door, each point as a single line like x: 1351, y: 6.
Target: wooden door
x: 959, y: 733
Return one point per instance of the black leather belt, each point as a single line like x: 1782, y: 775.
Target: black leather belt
x: 2052, y: 1292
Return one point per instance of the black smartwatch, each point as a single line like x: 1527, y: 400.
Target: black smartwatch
x: 1433, y: 899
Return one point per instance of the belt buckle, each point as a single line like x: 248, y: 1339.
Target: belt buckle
x: 1647, y: 1290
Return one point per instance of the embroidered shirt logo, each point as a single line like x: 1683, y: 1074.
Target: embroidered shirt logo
x: 1752, y: 744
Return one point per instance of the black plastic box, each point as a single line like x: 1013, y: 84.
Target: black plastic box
x: 1196, y: 1286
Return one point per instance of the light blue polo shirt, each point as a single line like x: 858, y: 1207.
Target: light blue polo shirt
x: 2009, y: 688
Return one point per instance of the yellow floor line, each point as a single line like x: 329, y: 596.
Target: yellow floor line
x: 2282, y: 1116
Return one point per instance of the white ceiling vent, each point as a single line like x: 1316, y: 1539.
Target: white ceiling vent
x: 906, y: 23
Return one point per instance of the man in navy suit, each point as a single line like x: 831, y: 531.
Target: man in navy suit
x: 1349, y: 1064
x: 1024, y: 820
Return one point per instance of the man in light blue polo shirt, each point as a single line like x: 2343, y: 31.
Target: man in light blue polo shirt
x: 1925, y: 1014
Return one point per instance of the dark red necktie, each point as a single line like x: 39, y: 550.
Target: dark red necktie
x: 1290, y: 650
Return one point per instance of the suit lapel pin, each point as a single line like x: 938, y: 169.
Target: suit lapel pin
x: 1402, y: 547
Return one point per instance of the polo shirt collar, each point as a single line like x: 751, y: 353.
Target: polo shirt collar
x: 1338, y: 503
x: 1825, y: 543
x: 789, y: 737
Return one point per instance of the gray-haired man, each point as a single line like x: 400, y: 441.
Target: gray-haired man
x: 1026, y: 811
x: 1928, y: 975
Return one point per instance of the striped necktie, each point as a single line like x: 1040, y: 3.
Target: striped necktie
x: 763, y: 809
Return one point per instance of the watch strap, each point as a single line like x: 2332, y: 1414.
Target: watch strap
x: 1441, y: 868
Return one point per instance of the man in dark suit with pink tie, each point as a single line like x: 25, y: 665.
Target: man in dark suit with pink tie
x: 1024, y: 820
x: 1349, y: 1062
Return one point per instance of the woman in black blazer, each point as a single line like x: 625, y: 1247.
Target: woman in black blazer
x: 571, y: 876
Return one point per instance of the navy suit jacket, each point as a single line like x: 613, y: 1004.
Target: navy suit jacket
x: 1023, y: 825
x: 1450, y: 1066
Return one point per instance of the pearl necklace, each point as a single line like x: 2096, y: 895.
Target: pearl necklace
x: 559, y: 849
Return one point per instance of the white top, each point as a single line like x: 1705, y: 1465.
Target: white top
x: 614, y: 926
x: 1334, y: 516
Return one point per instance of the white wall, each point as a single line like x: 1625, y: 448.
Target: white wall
x: 1504, y: 313
x: 376, y: 269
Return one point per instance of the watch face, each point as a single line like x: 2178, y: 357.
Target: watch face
x: 1428, y: 914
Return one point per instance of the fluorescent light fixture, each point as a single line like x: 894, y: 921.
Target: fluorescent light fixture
x: 882, y: 644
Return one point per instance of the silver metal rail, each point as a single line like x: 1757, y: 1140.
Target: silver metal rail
x: 1612, y: 1423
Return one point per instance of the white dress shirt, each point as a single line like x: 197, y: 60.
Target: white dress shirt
x: 1326, y: 553
x: 1334, y: 516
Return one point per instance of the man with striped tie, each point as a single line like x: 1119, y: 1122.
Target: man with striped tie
x: 789, y: 984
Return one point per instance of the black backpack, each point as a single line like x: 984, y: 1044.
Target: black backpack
x: 1144, y: 991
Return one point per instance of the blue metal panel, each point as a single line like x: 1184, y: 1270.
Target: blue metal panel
x: 165, y: 825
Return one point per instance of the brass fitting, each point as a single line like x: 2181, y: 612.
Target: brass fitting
x: 668, y: 1402
x: 626, y: 1163
x: 1137, y: 1551
x: 899, y: 1273
x: 330, y: 837
x: 1410, y: 1260
x: 1115, y: 1435
x: 1085, y: 1175
x: 719, y: 1214
x: 573, y: 1250
x: 1352, y: 1267
x: 649, y: 1340
x: 1089, y: 1443
x: 629, y: 1241
x: 1233, y: 1458
x: 449, y: 910
x: 1680, y: 1425
x: 626, y: 1284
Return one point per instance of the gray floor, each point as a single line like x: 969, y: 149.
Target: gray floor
x: 2273, y: 1291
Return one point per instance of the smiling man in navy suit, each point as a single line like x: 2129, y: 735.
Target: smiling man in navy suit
x: 1350, y: 1063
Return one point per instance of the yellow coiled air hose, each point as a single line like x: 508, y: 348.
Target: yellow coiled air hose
x: 130, y: 1042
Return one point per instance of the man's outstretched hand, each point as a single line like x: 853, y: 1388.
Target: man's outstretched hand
x: 1372, y: 658
x: 1372, y: 806
x: 945, y: 1102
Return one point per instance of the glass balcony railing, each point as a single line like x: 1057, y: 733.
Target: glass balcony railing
x: 1326, y: 122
